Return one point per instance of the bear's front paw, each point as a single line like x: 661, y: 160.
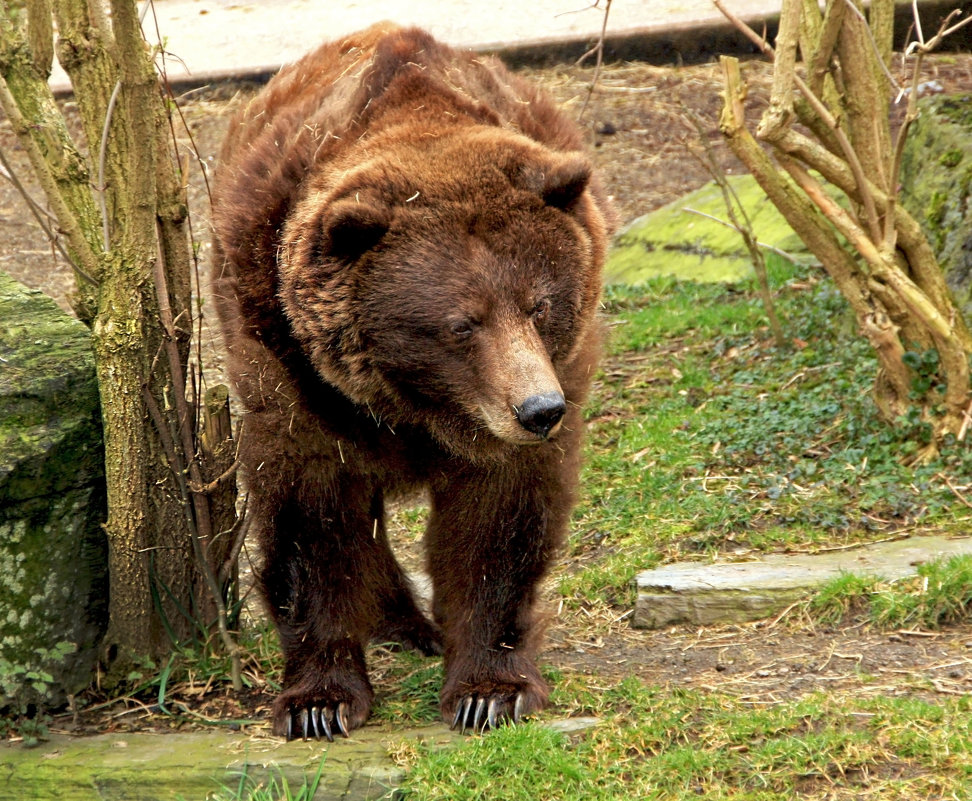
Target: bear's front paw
x: 487, y: 707
x: 313, y: 714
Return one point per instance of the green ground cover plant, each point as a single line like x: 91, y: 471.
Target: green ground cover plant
x: 676, y: 745
x: 940, y: 594
x: 704, y: 436
x: 275, y: 788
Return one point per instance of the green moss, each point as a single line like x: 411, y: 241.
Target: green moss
x: 936, y: 208
x: 936, y: 180
x: 52, y: 502
x: 956, y: 109
x: 672, y: 241
x: 951, y: 158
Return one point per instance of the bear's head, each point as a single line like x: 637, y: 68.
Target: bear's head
x: 449, y: 281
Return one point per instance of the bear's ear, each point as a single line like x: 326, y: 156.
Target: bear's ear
x: 352, y: 226
x: 561, y: 181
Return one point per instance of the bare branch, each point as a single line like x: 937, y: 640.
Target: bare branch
x: 42, y: 216
x: 725, y: 223
x: 212, y: 486
x: 819, y: 61
x: 599, y: 50
x: 867, y: 200
x: 85, y: 260
x: 780, y: 111
x: 102, y: 152
x: 201, y: 529
x: 742, y: 224
x: 749, y: 33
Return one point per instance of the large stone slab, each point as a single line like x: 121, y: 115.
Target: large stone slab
x: 165, y: 767
x: 53, y: 554
x: 677, y: 242
x: 936, y: 179
x: 700, y: 593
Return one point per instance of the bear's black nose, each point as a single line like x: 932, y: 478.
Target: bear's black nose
x: 540, y: 413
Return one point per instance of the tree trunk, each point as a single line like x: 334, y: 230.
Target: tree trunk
x: 136, y: 256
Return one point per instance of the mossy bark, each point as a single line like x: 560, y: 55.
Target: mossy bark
x: 936, y: 173
x: 61, y: 169
x: 138, y: 245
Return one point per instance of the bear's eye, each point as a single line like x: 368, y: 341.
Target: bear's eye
x: 463, y: 329
x: 540, y: 310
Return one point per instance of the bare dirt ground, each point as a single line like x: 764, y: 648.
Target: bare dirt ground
x: 638, y: 126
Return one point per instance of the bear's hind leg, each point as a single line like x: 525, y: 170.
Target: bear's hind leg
x: 401, y: 622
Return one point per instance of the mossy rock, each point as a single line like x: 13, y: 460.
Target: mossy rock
x: 673, y: 241
x: 53, y: 553
x: 936, y: 179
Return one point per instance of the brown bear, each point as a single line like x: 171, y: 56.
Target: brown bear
x: 408, y: 246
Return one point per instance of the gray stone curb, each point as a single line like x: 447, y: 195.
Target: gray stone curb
x: 703, y: 594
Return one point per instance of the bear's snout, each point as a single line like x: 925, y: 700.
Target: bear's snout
x: 541, y: 414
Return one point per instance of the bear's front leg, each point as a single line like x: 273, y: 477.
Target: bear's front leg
x: 330, y: 582
x: 492, y: 534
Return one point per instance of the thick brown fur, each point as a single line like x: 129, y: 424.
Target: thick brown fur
x: 408, y: 246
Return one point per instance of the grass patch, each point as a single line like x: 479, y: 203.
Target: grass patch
x: 939, y: 594
x: 514, y: 762
x: 674, y: 744
x: 407, y: 687
x: 274, y: 788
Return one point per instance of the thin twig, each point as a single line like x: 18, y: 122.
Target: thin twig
x: 870, y: 35
x: 765, y: 245
x: 102, y: 157
x: 212, y: 486
x: 86, y: 261
x: 760, y: 41
x: 867, y: 199
x: 599, y: 49
x: 964, y: 501
x: 201, y: 526
x: 242, y: 527
x: 40, y: 213
x: 742, y: 224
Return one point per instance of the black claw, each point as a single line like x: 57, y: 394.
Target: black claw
x: 326, y: 725
x: 289, y: 733
x: 491, y: 712
x: 518, y: 708
x: 457, y: 718
x: 478, y: 715
x: 304, y: 721
x: 315, y: 715
x: 466, y: 706
x: 339, y: 714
